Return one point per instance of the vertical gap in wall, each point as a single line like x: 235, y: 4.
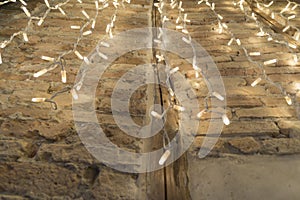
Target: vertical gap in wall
x: 174, y: 177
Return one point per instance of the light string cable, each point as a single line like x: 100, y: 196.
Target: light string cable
x: 273, y: 37
x: 224, y: 27
x: 109, y: 34
x: 83, y: 32
x: 283, y: 17
x: 181, y: 24
x: 25, y: 31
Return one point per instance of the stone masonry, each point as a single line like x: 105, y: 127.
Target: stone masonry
x: 42, y: 156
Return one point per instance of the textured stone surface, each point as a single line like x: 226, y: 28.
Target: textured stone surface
x: 42, y: 157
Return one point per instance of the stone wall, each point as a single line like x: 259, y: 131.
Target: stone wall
x: 42, y: 156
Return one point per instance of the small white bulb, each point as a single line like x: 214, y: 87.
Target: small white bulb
x: 218, y: 96
x: 179, y: 108
x: 74, y: 94
x: 174, y: 70
x: 285, y: 29
x: 269, y: 62
x: 288, y: 100
x: 156, y: 115
x: 230, y: 42
x: 200, y: 114
x: 61, y: 11
x: 63, y: 76
x: 38, y: 99
x: 254, y: 54
x: 78, y: 55
x: 85, y: 14
x: 164, y: 157
x: 47, y: 58
x: 25, y: 37
x: 75, y: 27
x: 254, y: 83
x: 225, y: 119
x: 87, y: 33
x: 40, y: 73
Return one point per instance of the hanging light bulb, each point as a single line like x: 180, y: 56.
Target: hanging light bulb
x: 286, y: 28
x: 174, y: 70
x: 78, y: 55
x: 25, y: 37
x: 225, y: 119
x: 254, y: 83
x: 37, y: 100
x: 230, y: 42
x: 269, y: 62
x: 288, y: 100
x: 40, y: 73
x: 200, y: 114
x: 171, y: 92
x: 63, y: 76
x: 156, y: 115
x: 164, y: 157
x: 218, y: 96
x: 74, y: 94
x: 179, y: 108
x: 254, y: 54
x: 47, y: 58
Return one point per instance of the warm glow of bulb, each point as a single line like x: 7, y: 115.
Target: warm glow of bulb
x: 254, y: 83
x: 269, y: 62
x: 104, y: 44
x: 293, y: 46
x: 254, y: 54
x: 292, y: 17
x: 218, y: 96
x: 285, y: 29
x: 40, y: 73
x: 272, y: 15
x: 61, y: 11
x: 225, y: 120
x: 63, y: 76
x: 25, y: 37
x: 171, y: 92
x: 74, y: 94
x: 78, y: 55
x: 102, y: 55
x: 85, y: 14
x: 288, y: 100
x: 174, y: 70
x: 87, y: 32
x: 75, y: 27
x: 156, y: 115
x: 47, y: 58
x: 164, y: 157
x: 179, y: 108
x: 26, y: 11
x: 38, y: 99
x: 230, y: 41
x: 186, y: 40
x: 200, y: 114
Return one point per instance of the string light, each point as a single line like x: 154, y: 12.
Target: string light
x: 164, y: 157
x: 225, y: 119
x: 270, y: 38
